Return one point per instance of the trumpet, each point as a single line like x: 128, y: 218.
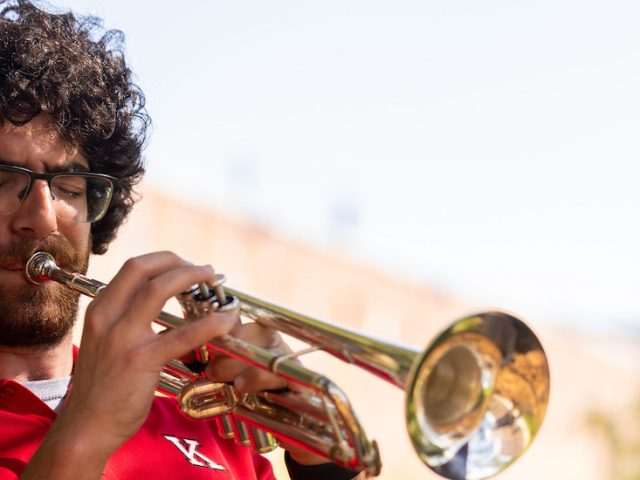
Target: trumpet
x: 475, y: 397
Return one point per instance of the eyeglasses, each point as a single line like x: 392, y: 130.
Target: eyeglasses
x: 81, y: 197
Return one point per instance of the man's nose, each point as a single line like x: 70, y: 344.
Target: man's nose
x: 36, y: 217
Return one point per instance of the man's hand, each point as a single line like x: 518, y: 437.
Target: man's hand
x: 119, y: 364
x: 247, y: 378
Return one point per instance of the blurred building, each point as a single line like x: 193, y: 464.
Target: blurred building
x: 588, y: 374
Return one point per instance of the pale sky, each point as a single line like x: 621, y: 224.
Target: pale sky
x: 486, y: 149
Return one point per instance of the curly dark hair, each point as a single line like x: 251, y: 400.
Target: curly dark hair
x: 71, y: 69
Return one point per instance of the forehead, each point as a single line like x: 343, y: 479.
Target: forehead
x: 36, y: 145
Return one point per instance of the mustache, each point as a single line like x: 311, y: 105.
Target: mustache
x: 65, y: 254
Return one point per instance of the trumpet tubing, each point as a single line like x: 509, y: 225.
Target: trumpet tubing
x: 475, y: 397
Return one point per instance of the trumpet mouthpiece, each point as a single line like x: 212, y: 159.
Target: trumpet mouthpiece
x: 38, y: 266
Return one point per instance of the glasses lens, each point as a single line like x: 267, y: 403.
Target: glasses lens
x: 13, y: 187
x: 81, y: 198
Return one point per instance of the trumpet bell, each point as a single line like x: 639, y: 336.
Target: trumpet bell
x: 476, y: 396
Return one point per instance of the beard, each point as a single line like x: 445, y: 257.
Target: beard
x: 39, y: 316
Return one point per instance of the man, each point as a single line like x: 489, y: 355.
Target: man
x: 72, y: 129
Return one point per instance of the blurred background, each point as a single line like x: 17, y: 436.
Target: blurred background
x: 394, y: 165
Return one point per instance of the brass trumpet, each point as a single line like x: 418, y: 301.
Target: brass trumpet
x: 475, y: 397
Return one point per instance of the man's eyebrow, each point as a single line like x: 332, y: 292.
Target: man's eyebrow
x: 65, y: 167
x: 68, y: 167
x: 4, y: 161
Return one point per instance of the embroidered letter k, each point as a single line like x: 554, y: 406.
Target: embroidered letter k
x: 190, y: 451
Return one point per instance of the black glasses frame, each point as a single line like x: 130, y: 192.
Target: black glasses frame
x: 48, y: 177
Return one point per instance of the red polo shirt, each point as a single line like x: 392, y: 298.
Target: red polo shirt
x: 168, y: 446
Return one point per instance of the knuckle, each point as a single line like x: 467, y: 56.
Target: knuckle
x: 273, y: 338
x: 218, y: 324
x: 256, y: 379
x: 186, y: 336
x: 171, y: 256
x: 245, y: 331
x: 174, y: 259
x: 228, y: 317
x: 268, y: 377
x: 93, y: 316
x: 224, y: 369
x: 259, y: 334
x: 134, y: 264
x: 90, y: 311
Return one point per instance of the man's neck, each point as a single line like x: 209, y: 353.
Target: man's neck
x: 36, y: 363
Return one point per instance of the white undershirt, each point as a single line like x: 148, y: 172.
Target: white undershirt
x: 51, y: 391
